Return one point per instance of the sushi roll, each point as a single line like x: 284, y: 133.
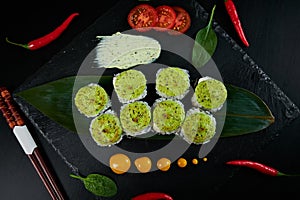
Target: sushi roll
x: 210, y: 94
x: 106, y: 129
x: 91, y: 100
x: 172, y: 82
x: 135, y: 118
x: 130, y: 85
x: 168, y: 115
x: 198, y: 127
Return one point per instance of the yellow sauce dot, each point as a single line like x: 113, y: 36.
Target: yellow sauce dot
x: 163, y: 164
x: 181, y: 162
x: 119, y: 163
x: 195, y: 161
x: 143, y: 164
x: 204, y: 159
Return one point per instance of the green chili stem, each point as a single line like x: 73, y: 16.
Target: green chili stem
x: 21, y: 45
x: 283, y: 174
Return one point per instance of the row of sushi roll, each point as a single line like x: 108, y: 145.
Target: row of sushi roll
x: 168, y: 116
x: 171, y: 82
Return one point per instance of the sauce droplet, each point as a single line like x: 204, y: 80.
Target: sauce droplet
x: 204, y: 159
x: 195, y: 161
x: 143, y: 164
x: 119, y: 163
x: 181, y: 162
x: 163, y: 164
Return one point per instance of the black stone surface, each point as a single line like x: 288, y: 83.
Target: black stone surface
x: 269, y: 64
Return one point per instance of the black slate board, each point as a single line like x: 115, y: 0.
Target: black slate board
x: 236, y: 67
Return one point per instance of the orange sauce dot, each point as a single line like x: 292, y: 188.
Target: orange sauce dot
x: 143, y: 164
x: 119, y: 163
x: 204, y: 159
x: 195, y: 161
x: 181, y: 162
x: 163, y: 164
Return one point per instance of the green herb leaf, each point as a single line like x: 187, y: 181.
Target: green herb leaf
x: 99, y: 185
x: 245, y: 113
x: 205, y: 44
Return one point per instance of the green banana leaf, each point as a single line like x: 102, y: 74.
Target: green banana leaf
x: 246, y: 112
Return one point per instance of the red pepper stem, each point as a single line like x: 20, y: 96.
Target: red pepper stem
x: 259, y: 167
x: 17, y: 44
x: 283, y: 174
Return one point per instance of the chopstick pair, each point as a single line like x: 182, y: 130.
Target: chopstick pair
x: 17, y: 124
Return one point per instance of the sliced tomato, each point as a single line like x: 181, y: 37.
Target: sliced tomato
x: 166, y: 17
x: 182, y: 21
x: 142, y: 17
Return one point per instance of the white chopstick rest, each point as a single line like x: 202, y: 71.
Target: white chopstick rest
x: 25, y: 139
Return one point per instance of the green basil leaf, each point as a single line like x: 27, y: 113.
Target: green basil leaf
x: 205, y: 44
x: 245, y: 113
x: 99, y: 185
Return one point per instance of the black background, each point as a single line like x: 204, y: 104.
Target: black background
x: 272, y: 28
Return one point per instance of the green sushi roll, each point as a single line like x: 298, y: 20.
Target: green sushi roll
x: 168, y: 116
x: 210, y: 94
x: 172, y: 82
x: 135, y: 118
x: 106, y: 129
x: 91, y: 100
x: 130, y: 85
x: 198, y: 127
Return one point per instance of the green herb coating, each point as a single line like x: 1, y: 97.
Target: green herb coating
x: 91, y: 100
x: 198, y: 127
x: 106, y: 129
x: 172, y: 82
x: 210, y: 94
x: 135, y: 117
x: 168, y: 116
x: 130, y: 85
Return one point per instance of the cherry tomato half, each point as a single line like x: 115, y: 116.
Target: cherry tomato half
x: 142, y: 17
x: 166, y: 17
x: 182, y: 21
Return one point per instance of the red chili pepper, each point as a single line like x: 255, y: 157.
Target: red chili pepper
x: 153, y: 196
x: 231, y: 10
x: 259, y: 167
x: 44, y: 40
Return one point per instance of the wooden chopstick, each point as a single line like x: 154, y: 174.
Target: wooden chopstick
x: 16, y: 123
